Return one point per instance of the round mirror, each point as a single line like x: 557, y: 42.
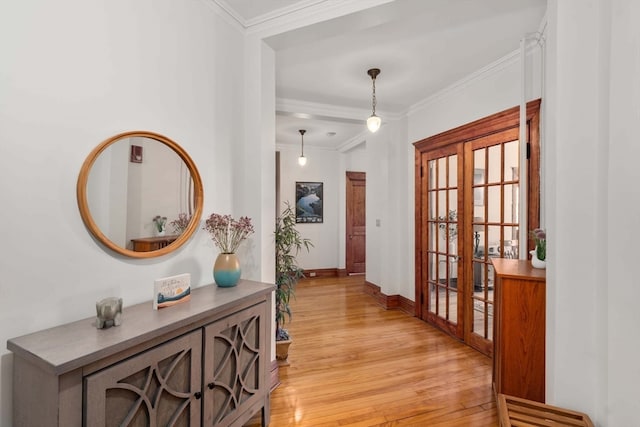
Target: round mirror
x: 140, y: 194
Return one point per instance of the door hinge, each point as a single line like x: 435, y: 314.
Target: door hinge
x: 421, y: 171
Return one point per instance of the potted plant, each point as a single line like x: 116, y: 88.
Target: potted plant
x: 289, y: 242
x: 539, y: 254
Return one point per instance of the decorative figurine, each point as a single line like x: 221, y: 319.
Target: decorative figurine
x: 109, y: 312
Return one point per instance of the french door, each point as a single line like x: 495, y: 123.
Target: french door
x: 467, y: 212
x: 443, y: 203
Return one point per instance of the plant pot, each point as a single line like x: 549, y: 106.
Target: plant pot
x: 282, y: 352
x: 226, y: 270
x: 535, y: 262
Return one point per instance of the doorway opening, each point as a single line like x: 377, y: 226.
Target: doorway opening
x: 356, y: 237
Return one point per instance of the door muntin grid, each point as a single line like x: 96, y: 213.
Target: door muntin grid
x: 442, y: 247
x: 494, y: 225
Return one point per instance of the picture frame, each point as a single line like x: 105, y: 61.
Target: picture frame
x: 309, y: 202
x: 136, y: 154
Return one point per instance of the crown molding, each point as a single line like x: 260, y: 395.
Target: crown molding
x: 494, y: 67
x: 317, y: 110
x: 300, y: 6
x: 310, y: 13
x: 298, y: 15
x: 225, y: 14
x: 536, y: 41
x: 361, y: 138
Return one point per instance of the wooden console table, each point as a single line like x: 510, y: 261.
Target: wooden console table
x: 147, y: 244
x: 201, y: 362
x: 519, y: 329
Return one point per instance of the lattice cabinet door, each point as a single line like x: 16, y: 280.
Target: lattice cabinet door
x: 159, y: 387
x: 234, y: 366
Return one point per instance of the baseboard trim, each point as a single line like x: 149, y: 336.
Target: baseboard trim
x: 389, y: 302
x: 275, y: 375
x: 320, y: 272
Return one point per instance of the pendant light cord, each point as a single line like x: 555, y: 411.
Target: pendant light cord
x: 374, y: 101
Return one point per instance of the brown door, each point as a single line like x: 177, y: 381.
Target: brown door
x: 356, y: 224
x: 467, y: 193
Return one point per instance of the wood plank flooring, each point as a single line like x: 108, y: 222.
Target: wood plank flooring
x: 352, y: 363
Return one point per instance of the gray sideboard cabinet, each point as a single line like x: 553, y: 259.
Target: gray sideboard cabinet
x: 202, y: 362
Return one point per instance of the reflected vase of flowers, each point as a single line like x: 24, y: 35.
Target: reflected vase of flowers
x: 159, y: 225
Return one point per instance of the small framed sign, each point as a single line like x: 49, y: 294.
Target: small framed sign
x: 309, y: 198
x: 172, y: 290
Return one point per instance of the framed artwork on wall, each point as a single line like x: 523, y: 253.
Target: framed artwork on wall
x: 136, y: 154
x: 309, y: 199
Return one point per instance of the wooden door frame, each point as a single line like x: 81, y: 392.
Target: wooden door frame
x: 498, y: 122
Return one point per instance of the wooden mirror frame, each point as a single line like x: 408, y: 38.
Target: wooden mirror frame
x: 81, y: 190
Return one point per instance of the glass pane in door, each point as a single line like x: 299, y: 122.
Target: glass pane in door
x: 494, y: 223
x: 443, y: 195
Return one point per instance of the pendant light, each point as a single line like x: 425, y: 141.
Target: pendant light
x: 302, y: 160
x: 374, y: 122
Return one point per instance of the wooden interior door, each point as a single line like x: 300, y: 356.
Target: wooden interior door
x: 356, y: 238
x: 467, y: 185
x: 442, y: 208
x: 493, y: 164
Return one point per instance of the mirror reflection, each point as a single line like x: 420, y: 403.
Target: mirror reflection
x: 139, y: 194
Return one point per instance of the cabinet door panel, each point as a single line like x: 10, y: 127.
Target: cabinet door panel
x: 234, y: 365
x: 154, y: 388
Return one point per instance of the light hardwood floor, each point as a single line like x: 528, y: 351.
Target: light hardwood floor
x: 352, y: 363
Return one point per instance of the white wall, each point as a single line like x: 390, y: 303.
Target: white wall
x: 623, y: 215
x: 389, y: 244
x: 322, y: 166
x: 74, y: 73
x: 593, y: 208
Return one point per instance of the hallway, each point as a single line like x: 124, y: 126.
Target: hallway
x: 353, y: 363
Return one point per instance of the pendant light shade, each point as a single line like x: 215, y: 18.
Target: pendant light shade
x: 374, y: 122
x: 302, y: 160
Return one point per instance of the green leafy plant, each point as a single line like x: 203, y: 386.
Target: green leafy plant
x: 289, y: 242
x: 540, y: 237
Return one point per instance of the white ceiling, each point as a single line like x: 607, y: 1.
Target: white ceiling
x: 421, y: 47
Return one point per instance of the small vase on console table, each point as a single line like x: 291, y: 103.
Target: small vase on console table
x: 535, y: 262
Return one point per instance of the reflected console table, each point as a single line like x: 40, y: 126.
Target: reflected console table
x: 147, y: 244
x: 201, y: 362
